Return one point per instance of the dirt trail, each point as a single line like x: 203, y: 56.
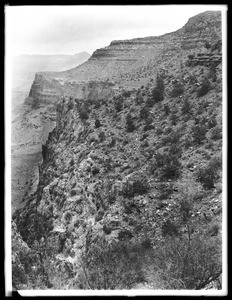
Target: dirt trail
x: 30, y: 129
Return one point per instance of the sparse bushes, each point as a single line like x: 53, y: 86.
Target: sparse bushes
x: 204, y: 87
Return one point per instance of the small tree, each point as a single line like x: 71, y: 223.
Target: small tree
x: 157, y: 93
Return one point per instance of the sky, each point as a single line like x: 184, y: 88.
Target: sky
x: 73, y: 29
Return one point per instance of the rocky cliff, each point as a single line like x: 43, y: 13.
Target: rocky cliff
x: 122, y: 61
x: 129, y: 191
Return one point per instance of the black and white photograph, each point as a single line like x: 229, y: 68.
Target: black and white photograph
x: 115, y: 150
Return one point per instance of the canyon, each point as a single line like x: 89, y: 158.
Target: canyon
x: 126, y: 155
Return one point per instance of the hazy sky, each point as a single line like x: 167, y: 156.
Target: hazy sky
x: 73, y: 29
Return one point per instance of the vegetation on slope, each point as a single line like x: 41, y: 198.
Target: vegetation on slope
x: 130, y: 189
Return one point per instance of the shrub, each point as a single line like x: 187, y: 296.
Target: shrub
x: 191, y: 56
x: 127, y: 94
x: 148, y: 124
x: 67, y: 216
x: 216, y: 46
x: 213, y: 72
x: 166, y: 165
x: 118, y: 103
x: 157, y: 93
x: 166, y: 109
x: 204, y: 87
x: 212, y: 122
x: 160, y: 83
x: 192, y: 79
x: 137, y: 186
x: 110, y: 266
x: 144, y: 112
x: 97, y: 123
x: 165, y: 190
x: 159, y: 131
x: 177, y: 90
x: 157, y: 96
x: 71, y: 103
x: 35, y: 103
x: 208, y: 174
x: 102, y: 136
x: 139, y: 99
x: 150, y: 102
x: 130, y: 126
x: 199, y: 133
x: 207, y: 45
x: 174, y: 117
x: 83, y: 114
x: 186, y: 107
x: 169, y: 228
x: 216, y: 133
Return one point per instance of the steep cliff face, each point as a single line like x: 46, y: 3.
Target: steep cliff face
x: 129, y: 190
x: 112, y: 64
